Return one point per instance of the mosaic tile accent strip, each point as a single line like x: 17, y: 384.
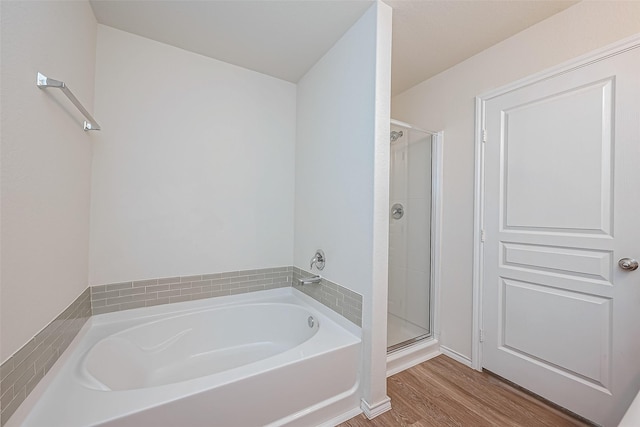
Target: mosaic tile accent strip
x: 21, y: 372
x: 145, y: 293
x: 338, y: 298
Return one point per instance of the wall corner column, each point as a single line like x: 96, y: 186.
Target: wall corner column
x: 374, y: 396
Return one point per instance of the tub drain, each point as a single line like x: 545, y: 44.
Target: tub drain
x: 311, y: 321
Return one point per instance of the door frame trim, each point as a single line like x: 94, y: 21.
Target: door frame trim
x: 597, y: 55
x: 437, y: 162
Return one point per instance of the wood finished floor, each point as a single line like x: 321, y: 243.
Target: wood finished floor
x: 443, y: 392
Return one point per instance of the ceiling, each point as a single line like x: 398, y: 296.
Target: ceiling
x: 431, y: 36
x: 284, y: 38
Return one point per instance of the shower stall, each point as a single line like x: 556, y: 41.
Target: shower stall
x: 410, y: 316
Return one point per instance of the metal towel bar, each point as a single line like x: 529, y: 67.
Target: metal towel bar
x: 44, y: 81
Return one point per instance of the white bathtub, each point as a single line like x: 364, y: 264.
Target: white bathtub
x: 243, y: 360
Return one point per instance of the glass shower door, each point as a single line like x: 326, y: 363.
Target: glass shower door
x: 409, y: 316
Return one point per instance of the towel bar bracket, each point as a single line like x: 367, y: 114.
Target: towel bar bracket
x: 44, y: 82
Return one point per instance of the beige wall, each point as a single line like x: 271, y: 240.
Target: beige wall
x: 446, y: 102
x: 45, y: 162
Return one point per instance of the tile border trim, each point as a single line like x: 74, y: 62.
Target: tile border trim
x: 166, y: 290
x: 149, y: 292
x: 21, y: 372
x: 343, y: 301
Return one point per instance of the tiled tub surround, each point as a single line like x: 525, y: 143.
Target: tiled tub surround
x: 146, y: 293
x: 338, y: 298
x: 22, y: 371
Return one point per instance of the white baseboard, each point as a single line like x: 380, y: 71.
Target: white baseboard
x: 373, y: 411
x: 455, y: 356
x: 406, y: 358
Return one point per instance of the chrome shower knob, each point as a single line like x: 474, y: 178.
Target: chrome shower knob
x: 318, y: 260
x: 397, y: 211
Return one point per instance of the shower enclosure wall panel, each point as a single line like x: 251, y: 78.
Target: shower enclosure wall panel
x: 419, y: 232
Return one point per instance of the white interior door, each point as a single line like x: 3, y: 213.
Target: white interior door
x: 561, y: 207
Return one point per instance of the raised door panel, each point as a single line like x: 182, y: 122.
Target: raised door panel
x: 568, y: 332
x: 596, y: 265
x: 557, y: 161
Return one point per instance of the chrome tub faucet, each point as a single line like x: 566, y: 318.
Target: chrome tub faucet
x: 310, y: 280
x: 318, y: 260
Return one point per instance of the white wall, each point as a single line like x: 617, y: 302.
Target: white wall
x: 334, y: 159
x: 342, y: 157
x: 446, y: 102
x: 193, y: 170
x: 46, y: 164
